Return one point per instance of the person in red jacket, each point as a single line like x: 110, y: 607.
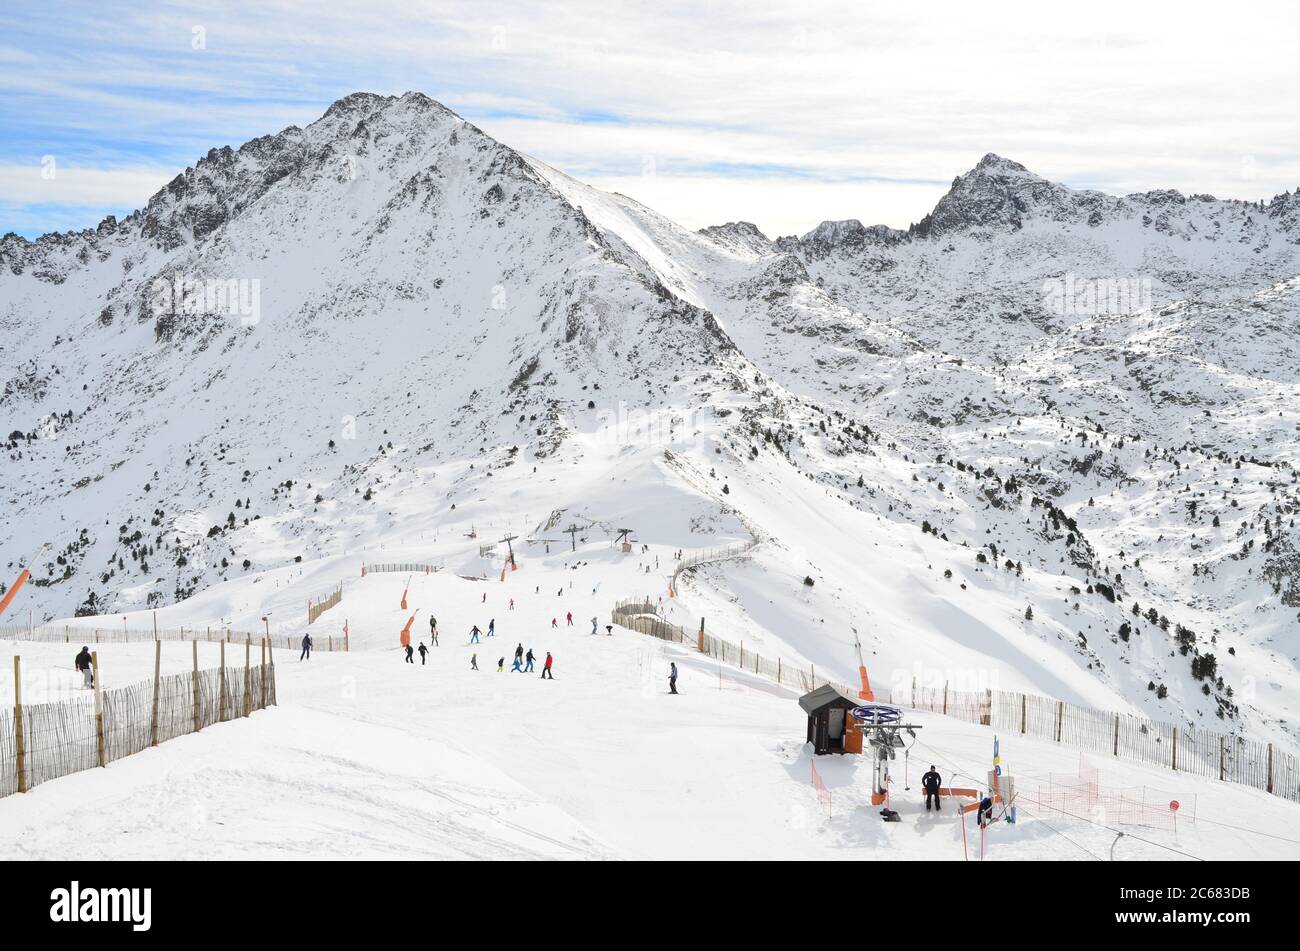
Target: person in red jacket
x: 546, y: 669
x: 569, y: 617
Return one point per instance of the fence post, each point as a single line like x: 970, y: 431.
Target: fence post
x: 778, y: 670
x: 1222, y: 760
x: 1117, y: 734
x: 701, y: 642
x: 1060, y: 718
x: 261, y: 671
x: 194, y: 644
x: 221, y: 684
x: 1024, y: 703
x: 155, y: 625
x: 20, y: 746
x: 99, y: 709
x: 248, y: 673
x: 1173, y: 762
x: 1269, y: 787
x: 157, y: 677
x: 945, y: 702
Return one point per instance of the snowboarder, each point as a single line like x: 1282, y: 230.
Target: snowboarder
x: 474, y: 632
x: 473, y: 661
x: 672, y: 676
x: 528, y: 666
x: 931, y: 782
x: 492, y: 627
x: 84, y: 664
x: 306, y: 648
x: 424, y: 652
x: 546, y: 668
x: 410, y: 654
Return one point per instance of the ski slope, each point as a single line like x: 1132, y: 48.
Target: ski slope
x: 367, y: 756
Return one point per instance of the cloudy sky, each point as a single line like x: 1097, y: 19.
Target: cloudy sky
x: 783, y: 114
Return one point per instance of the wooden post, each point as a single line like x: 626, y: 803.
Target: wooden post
x: 1173, y: 763
x: 945, y: 702
x: 248, y: 674
x: 1269, y: 787
x: 157, y: 685
x: 1222, y: 761
x: 20, y: 745
x: 195, y: 677
x: 1060, y: 718
x: 701, y: 643
x: 1117, y: 734
x: 778, y: 670
x: 261, y: 666
x: 346, y: 647
x: 221, y: 684
x: 1024, y: 702
x: 155, y: 625
x: 99, y: 709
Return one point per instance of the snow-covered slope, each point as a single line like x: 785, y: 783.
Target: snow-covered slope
x: 986, y: 440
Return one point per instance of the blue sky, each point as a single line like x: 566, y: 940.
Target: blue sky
x: 781, y: 114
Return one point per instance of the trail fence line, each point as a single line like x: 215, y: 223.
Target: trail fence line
x: 405, y: 567
x: 1228, y: 757
x: 44, y: 741
x: 318, y: 606
x: 73, y: 634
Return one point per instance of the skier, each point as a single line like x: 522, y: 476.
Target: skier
x: 672, y: 676
x: 501, y: 665
x: 528, y: 666
x: 473, y: 661
x: 433, y: 630
x: 594, y: 625
x: 512, y: 604
x: 492, y: 627
x: 519, y: 650
x: 569, y: 618
x: 485, y: 597
x: 516, y: 668
x: 410, y: 653
x: 546, y: 668
x: 306, y: 648
x: 474, y: 632
x: 984, y: 815
x: 424, y: 651
x: 84, y: 664
x: 931, y: 782
x: 553, y: 623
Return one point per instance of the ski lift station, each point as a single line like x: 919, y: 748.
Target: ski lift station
x: 831, y: 727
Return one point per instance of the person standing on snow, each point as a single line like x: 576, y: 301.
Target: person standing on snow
x: 528, y: 666
x: 512, y: 604
x: 515, y: 668
x: 410, y: 653
x: 492, y: 627
x: 519, y: 650
x: 86, y: 665
x: 594, y: 625
x: 931, y: 782
x: 569, y: 618
x: 474, y: 632
x: 433, y: 630
x: 546, y: 668
x: 485, y: 597
x: 554, y: 624
x: 473, y: 661
x: 424, y: 651
x: 672, y: 676
x: 501, y: 665
x: 306, y: 648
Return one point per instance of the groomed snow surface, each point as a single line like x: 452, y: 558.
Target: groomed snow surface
x: 369, y: 757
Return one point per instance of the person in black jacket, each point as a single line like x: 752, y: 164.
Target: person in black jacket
x: 931, y: 782
x: 84, y: 664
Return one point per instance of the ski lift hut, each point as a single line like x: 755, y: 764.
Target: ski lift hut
x: 830, y: 728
